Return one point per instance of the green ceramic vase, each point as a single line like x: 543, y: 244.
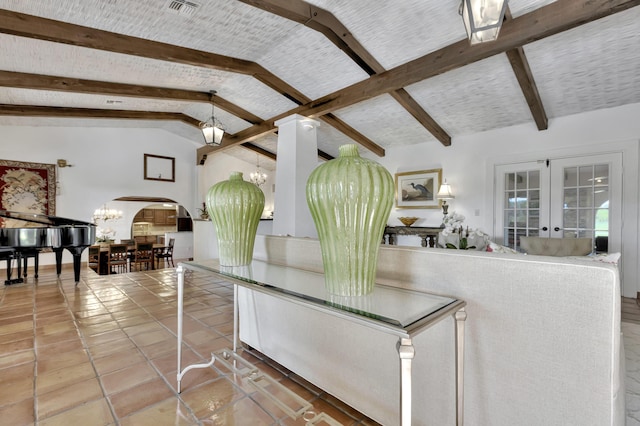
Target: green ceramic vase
x: 235, y: 207
x: 350, y: 199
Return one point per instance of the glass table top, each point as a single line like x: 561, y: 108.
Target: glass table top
x: 393, y: 307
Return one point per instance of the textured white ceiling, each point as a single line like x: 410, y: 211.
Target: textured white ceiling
x: 591, y: 67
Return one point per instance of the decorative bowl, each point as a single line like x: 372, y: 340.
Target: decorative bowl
x: 408, y: 221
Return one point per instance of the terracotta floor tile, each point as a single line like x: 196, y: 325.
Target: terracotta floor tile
x: 152, y: 337
x: 170, y: 410
x: 117, y: 361
x: 63, y: 377
x: 74, y: 394
x: 160, y: 348
x: 207, y: 399
x: 122, y: 329
x: 94, y: 413
x: 17, y: 345
x: 57, y: 348
x: 13, y: 359
x: 18, y: 414
x: 16, y: 390
x: 141, y: 396
x: 62, y: 360
x: 107, y: 348
x: 63, y: 336
x: 16, y: 327
x: 129, y: 377
x: 242, y: 413
x: 108, y: 336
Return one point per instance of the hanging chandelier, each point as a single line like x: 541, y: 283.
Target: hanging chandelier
x: 104, y: 214
x: 258, y: 177
x: 212, y: 129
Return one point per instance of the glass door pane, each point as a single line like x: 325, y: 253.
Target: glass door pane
x: 584, y: 207
x: 522, y: 204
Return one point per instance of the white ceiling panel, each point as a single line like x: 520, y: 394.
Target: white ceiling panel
x: 590, y: 67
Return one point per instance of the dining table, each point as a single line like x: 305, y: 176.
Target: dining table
x: 103, y: 268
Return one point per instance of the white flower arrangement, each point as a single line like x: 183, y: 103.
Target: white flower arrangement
x: 467, y: 238
x: 105, y: 235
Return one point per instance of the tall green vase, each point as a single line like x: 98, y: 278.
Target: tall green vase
x: 350, y: 199
x: 235, y: 207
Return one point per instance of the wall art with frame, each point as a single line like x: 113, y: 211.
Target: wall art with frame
x: 28, y: 188
x: 417, y: 190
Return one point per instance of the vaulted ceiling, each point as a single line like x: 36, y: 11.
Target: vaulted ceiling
x: 375, y: 72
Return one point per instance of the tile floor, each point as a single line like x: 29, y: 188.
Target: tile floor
x: 104, y: 353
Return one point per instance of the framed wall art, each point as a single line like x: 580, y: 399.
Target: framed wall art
x: 158, y: 167
x: 28, y: 187
x: 417, y: 190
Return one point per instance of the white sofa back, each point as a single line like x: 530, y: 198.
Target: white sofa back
x: 543, y: 340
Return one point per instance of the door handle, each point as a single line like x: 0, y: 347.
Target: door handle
x: 544, y: 228
x: 556, y: 229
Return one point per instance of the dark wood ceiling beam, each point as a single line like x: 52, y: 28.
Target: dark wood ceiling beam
x: 326, y: 23
x: 259, y: 150
x: 559, y: 16
x: 411, y: 105
x: 64, y: 112
x: 30, y: 26
x: 75, y: 85
x: 522, y: 71
x: 340, y: 125
x: 45, y: 29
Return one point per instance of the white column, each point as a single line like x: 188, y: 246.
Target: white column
x: 297, y: 157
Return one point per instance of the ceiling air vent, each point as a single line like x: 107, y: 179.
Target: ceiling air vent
x: 182, y: 7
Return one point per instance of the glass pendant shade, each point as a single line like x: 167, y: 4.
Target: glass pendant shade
x: 483, y: 19
x: 212, y: 134
x: 212, y: 130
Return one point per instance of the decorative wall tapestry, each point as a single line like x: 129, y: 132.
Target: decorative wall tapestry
x: 27, y: 187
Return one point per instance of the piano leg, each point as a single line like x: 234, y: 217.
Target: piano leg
x: 9, y: 280
x: 77, y: 254
x: 58, y: 252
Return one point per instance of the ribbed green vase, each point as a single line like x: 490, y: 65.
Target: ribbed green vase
x: 235, y: 207
x: 350, y: 199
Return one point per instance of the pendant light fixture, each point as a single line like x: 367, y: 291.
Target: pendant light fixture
x: 258, y: 178
x: 482, y: 18
x: 212, y: 129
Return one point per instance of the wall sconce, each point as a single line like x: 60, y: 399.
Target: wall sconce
x: 445, y: 194
x: 212, y: 129
x: 63, y: 164
x: 482, y: 18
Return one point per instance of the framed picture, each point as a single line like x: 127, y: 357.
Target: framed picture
x: 417, y: 190
x: 158, y: 167
x: 27, y: 188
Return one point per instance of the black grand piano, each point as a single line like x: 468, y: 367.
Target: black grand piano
x: 24, y: 232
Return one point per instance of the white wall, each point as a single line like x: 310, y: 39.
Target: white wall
x: 218, y: 167
x: 468, y: 166
x: 107, y: 163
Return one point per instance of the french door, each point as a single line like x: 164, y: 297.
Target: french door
x: 556, y: 198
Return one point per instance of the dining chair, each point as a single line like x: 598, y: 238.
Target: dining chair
x: 94, y: 258
x: 118, y: 258
x: 166, y: 255
x: 143, y: 255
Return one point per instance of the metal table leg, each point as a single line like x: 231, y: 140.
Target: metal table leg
x: 460, y: 317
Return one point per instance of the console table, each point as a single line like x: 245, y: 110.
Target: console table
x: 428, y: 235
x: 399, y: 312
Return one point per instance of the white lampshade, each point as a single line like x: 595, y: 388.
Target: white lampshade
x: 445, y: 192
x: 483, y: 19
